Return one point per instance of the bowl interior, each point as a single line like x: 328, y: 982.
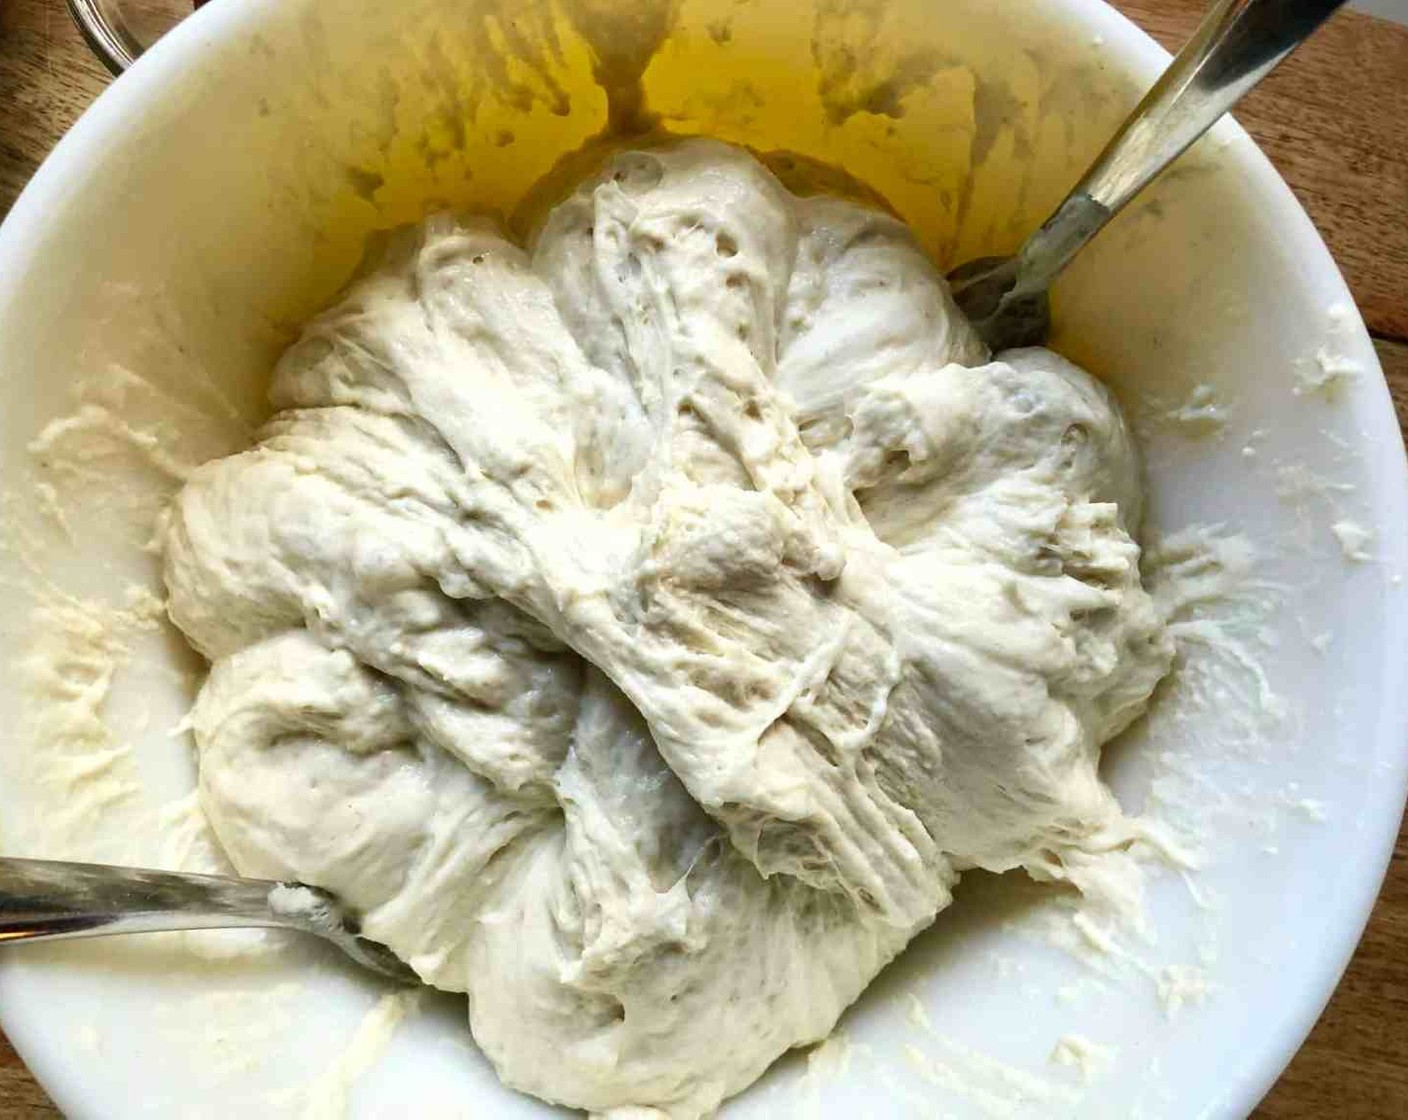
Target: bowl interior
x: 222, y: 191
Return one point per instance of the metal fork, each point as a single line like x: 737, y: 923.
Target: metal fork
x: 1238, y: 43
x: 45, y: 900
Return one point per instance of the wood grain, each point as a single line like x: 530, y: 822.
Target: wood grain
x: 1393, y: 356
x: 1334, y: 120
x: 48, y: 76
x: 21, y: 1098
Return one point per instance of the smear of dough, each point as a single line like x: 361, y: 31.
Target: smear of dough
x: 1079, y: 1052
x: 327, y: 1096
x: 644, y: 630
x: 78, y: 766
x: 1331, y: 368
x: 1354, y: 539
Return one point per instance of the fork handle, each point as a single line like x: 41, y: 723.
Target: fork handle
x: 49, y: 899
x: 1238, y: 43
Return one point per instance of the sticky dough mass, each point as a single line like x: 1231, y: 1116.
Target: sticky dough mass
x: 645, y: 630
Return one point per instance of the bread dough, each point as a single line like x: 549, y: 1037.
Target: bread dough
x: 645, y: 630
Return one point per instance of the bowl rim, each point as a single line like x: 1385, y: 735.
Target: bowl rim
x: 110, y: 41
x: 119, y: 109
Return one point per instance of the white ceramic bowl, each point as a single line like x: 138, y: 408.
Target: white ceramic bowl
x: 221, y: 191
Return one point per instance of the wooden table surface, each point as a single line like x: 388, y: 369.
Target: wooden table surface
x: 1334, y: 120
